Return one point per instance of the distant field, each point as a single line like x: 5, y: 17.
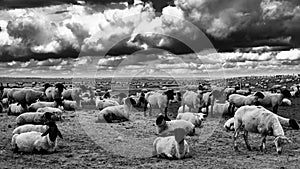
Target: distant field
x: 129, y: 145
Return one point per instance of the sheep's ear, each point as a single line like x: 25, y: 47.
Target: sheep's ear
x: 179, y: 134
x: 46, y: 132
x: 59, y: 134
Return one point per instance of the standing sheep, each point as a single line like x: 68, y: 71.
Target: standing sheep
x: 26, y: 96
x: 172, y: 146
x: 55, y: 93
x: 192, y: 100
x: 257, y: 119
x: 37, y: 141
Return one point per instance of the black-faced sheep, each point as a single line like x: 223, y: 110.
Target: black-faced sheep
x: 37, y: 141
x: 55, y: 93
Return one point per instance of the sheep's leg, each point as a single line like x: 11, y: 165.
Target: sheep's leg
x: 275, y: 109
x: 235, y: 136
x: 246, y: 140
x: 263, y: 144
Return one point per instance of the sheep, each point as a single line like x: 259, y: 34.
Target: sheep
x: 286, y: 102
x: 30, y: 127
x: 101, y: 104
x: 237, y: 100
x: 229, y: 124
x: 25, y: 96
x: 117, y: 113
x: 221, y: 108
x: 206, y: 101
x: 37, y: 141
x: 217, y: 93
x: 55, y: 93
x: 195, y: 118
x: 58, y: 112
x: 164, y: 127
x: 172, y: 146
x: 180, y: 109
x: 72, y: 94
x: 41, y: 104
x: 257, y: 119
x: 16, y: 109
x: 35, y: 118
x: 88, y: 103
x: 274, y: 99
x: 70, y: 105
x: 5, y: 103
x: 192, y: 100
x: 158, y: 100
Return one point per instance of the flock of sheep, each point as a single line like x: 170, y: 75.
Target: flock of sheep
x: 38, y: 109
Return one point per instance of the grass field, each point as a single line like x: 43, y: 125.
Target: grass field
x: 87, y: 144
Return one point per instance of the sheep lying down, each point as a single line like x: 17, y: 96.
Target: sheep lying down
x: 36, y: 141
x: 195, y: 118
x: 172, y: 146
x: 30, y: 127
x: 35, y: 118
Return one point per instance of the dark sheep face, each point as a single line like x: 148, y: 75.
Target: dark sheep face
x: 160, y: 120
x: 53, y: 131
x: 286, y: 93
x: 259, y: 95
x: 170, y: 94
x: 60, y: 87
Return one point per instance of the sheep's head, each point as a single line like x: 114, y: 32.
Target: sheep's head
x: 279, y: 141
x: 286, y: 93
x: 60, y: 87
x: 170, y: 94
x: 52, y: 130
x: 259, y: 95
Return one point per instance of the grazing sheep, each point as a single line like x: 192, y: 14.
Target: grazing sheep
x: 228, y: 91
x: 195, y: 118
x: 101, y: 104
x: 72, y: 94
x: 274, y: 99
x: 286, y: 102
x: 58, y: 112
x: 117, y: 113
x: 237, y: 100
x: 25, y: 96
x: 257, y: 119
x: 165, y: 127
x: 158, y: 100
x: 16, y: 109
x: 192, y: 100
x: 37, y: 141
x: 41, y: 104
x: 35, y: 118
x: 30, y: 127
x: 229, y: 124
x: 172, y: 146
x: 70, y: 105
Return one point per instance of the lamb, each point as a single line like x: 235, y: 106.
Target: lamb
x: 35, y: 118
x: 192, y: 100
x: 37, y: 141
x: 101, y: 104
x: 41, y: 104
x: 165, y: 127
x: 274, y: 99
x: 172, y: 146
x: 158, y: 100
x: 117, y: 113
x: 195, y: 118
x: 30, y: 127
x: 257, y: 119
x: 16, y: 109
x: 237, y: 100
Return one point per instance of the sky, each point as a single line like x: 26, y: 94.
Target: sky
x: 201, y: 38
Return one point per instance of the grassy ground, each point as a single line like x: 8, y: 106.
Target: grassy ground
x: 87, y: 144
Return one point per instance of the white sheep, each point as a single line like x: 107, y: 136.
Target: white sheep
x: 35, y: 118
x: 37, y: 141
x: 25, y: 96
x: 172, y: 146
x: 70, y: 105
x: 30, y: 127
x: 158, y: 100
x: 72, y: 94
x: 192, y: 99
x: 164, y: 127
x: 257, y: 119
x: 117, y: 113
x: 16, y: 109
x: 195, y: 118
x: 102, y: 103
x: 274, y: 99
x: 58, y: 112
x: 41, y: 104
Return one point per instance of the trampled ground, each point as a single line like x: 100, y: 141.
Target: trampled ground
x: 87, y: 144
